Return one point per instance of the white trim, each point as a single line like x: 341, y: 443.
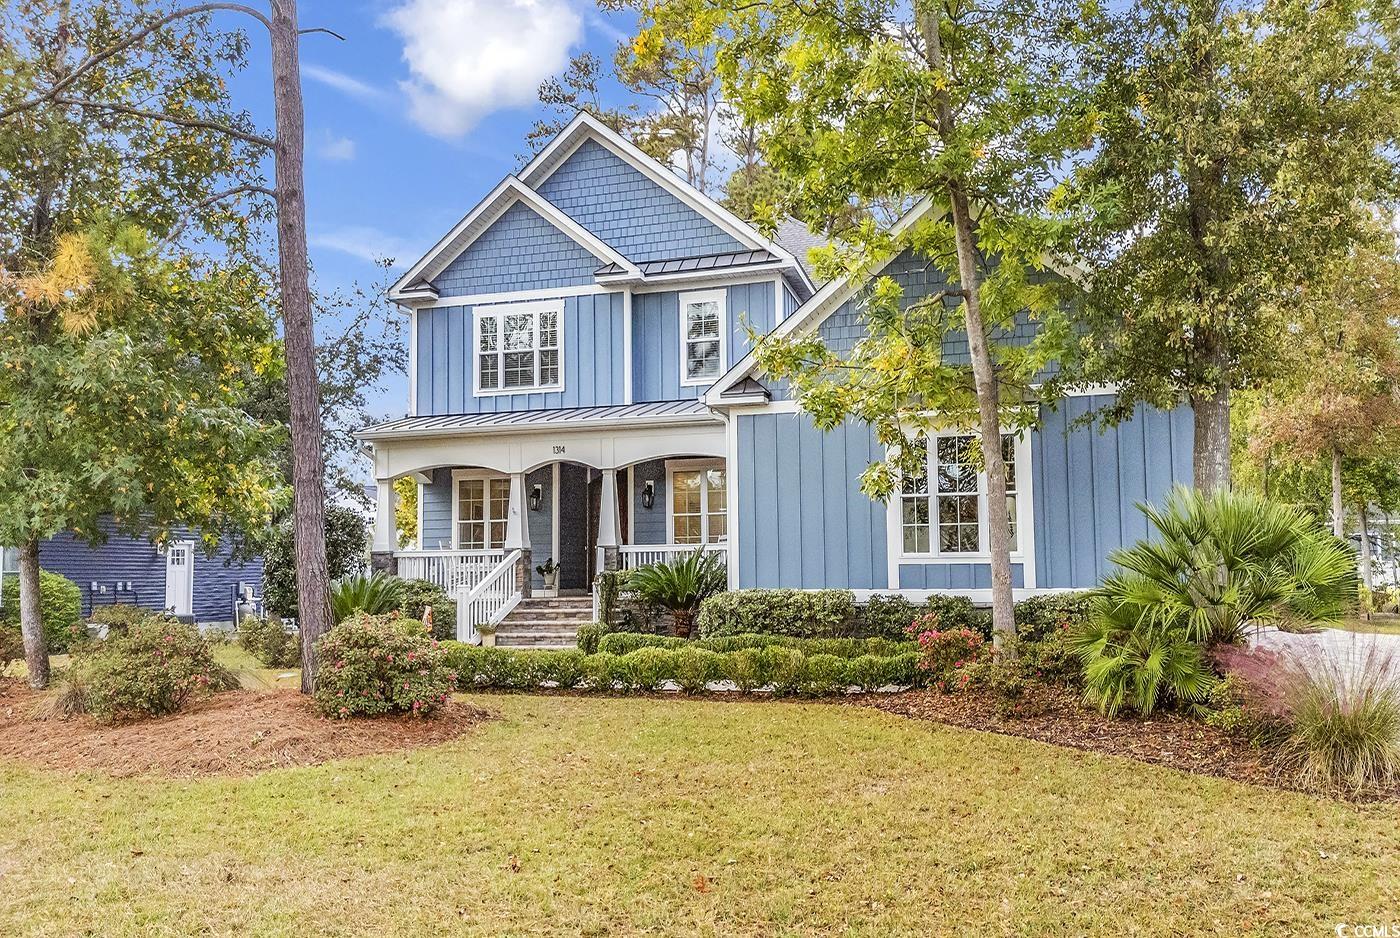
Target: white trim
x: 483, y: 215
x: 811, y: 313
x: 668, y: 281
x: 554, y: 520
x: 731, y: 503
x: 585, y: 125
x: 624, y: 423
x: 1025, y: 521
x: 627, y: 376
x: 777, y: 301
x: 413, y: 363
x: 982, y: 597
x: 419, y: 538
x: 185, y: 594
x: 511, y: 296
x: 460, y: 475
x: 696, y: 465
x: 721, y: 299
x: 499, y: 312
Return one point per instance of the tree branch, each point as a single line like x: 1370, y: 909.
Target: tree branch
x: 196, y: 123
x: 97, y: 58
x: 184, y: 221
x: 320, y: 29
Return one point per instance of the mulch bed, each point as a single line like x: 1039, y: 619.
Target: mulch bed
x: 1055, y: 715
x: 235, y: 733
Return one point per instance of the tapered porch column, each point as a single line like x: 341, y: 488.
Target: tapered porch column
x: 518, y: 533
x: 386, y: 529
x: 609, y: 523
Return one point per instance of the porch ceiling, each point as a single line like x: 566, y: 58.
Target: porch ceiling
x: 662, y: 413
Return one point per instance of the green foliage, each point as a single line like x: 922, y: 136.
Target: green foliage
x: 375, y: 664
x: 269, y: 641
x: 823, y: 676
x: 786, y: 669
x: 417, y: 595
x: 609, y: 586
x: 60, y: 605
x: 1128, y: 664
x: 600, y: 671
x: 621, y: 643
x: 1040, y: 616
x: 747, y: 668
x: 118, y: 617
x: 873, y: 672
x: 681, y: 585
x: 345, y: 557
x: 887, y: 615
x: 151, y: 670
x: 11, y: 645
x: 797, y: 613
x: 693, y: 667
x: 645, y: 669
x: 377, y: 594
x: 589, y: 636
x: 946, y: 655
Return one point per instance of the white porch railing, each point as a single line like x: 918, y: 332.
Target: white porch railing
x: 632, y: 556
x: 450, y: 569
x: 490, y: 600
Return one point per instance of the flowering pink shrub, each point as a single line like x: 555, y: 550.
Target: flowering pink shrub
x: 946, y: 655
x: 381, y: 664
x: 151, y: 670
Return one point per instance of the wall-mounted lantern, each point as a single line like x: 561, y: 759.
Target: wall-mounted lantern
x: 648, y: 494
x: 536, y: 497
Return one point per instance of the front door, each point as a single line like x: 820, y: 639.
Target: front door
x: 179, y: 578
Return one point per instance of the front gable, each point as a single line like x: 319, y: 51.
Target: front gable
x: 622, y: 206
x: 521, y: 250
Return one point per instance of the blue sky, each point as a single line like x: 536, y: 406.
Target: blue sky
x: 415, y: 117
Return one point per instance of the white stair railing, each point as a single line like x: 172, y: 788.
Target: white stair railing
x: 489, y: 601
x: 450, y: 569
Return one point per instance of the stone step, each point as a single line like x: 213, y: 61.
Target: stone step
x: 547, y: 615
x: 586, y: 604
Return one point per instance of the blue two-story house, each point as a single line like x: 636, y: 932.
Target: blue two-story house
x: 582, y: 389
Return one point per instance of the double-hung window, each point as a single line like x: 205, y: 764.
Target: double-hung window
x: 703, y: 320
x: 698, y: 504
x: 517, y: 347
x: 943, y: 506
x: 480, y: 511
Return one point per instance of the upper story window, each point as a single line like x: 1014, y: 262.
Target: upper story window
x: 703, y: 318
x: 517, y: 347
x: 943, y: 509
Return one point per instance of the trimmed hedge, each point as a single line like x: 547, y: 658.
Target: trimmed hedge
x: 796, y: 613
x: 781, y: 667
x: 60, y: 608
x: 1040, y: 616
x: 621, y: 643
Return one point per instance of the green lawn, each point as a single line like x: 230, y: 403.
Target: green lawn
x: 1377, y: 625
x: 576, y: 815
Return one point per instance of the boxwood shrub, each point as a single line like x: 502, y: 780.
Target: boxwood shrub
x: 1039, y: 616
x: 796, y: 613
x: 621, y: 643
x: 60, y: 608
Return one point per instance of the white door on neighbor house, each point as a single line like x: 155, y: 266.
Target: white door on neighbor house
x: 179, y: 578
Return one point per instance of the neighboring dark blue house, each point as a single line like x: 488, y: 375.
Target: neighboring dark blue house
x: 181, y: 578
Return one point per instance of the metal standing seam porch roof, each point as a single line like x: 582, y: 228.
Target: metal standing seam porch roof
x: 660, y: 412
x: 678, y: 265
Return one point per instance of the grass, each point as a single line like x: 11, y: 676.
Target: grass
x: 602, y: 816
x: 1376, y: 625
x: 252, y: 673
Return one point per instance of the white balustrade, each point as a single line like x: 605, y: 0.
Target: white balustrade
x: 489, y: 601
x: 632, y: 556
x: 450, y: 569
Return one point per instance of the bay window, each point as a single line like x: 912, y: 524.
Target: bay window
x: 943, y: 505
x: 518, y: 347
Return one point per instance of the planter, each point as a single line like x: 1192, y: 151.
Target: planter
x: 488, y: 639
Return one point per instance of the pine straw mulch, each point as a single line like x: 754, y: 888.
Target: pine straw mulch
x: 239, y: 732
x: 1056, y: 715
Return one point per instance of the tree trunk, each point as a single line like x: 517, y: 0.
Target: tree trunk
x: 31, y: 622
x: 308, y: 484
x: 1210, y: 460
x: 983, y: 372
x: 1366, y: 576
x: 1339, y: 522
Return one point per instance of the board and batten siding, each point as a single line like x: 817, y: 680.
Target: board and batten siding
x: 435, y: 505
x: 520, y: 251
x: 591, y: 360
x: 804, y: 523
x: 618, y: 203
x: 656, y: 337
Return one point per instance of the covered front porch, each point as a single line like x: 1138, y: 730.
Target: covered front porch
x: 501, y: 499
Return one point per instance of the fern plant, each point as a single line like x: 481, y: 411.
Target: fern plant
x: 1219, y: 565
x: 681, y: 585
x: 377, y: 594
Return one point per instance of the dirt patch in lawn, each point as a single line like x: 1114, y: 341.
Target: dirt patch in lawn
x: 1054, y: 715
x: 235, y: 733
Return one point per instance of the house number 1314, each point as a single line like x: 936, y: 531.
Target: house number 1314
x: 558, y: 450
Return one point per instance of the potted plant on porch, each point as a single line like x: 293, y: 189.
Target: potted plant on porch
x: 487, y: 631
x: 550, y: 571
x: 681, y: 585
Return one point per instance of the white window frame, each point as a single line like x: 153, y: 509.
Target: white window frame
x: 463, y: 475
x: 696, y: 465
x: 499, y: 312
x: 720, y: 297
x: 1024, y: 514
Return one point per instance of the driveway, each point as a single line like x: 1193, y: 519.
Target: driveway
x: 1349, y: 649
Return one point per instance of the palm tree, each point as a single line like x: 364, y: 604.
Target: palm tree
x: 681, y: 585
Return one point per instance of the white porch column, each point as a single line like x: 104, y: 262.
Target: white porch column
x: 517, y: 528
x: 609, y: 524
x: 385, y: 528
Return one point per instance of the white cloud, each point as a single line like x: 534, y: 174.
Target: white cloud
x: 348, y: 84
x: 366, y: 243
x: 467, y: 58
x: 336, y: 149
